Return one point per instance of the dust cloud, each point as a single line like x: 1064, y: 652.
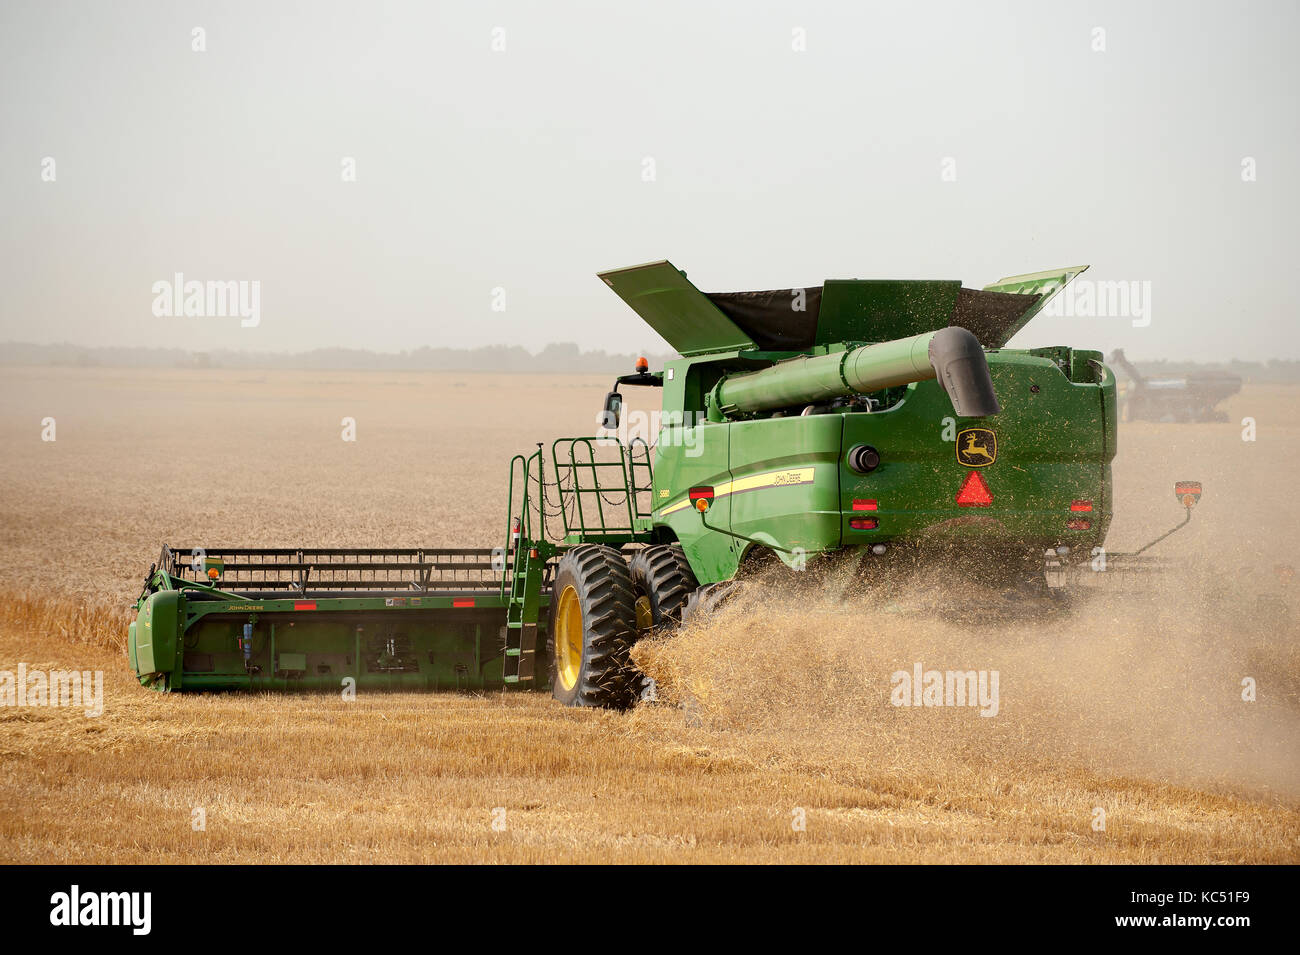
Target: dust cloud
x: 1132, y: 675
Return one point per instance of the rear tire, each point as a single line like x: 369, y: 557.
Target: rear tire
x: 663, y: 581
x: 662, y: 578
x: 593, y: 626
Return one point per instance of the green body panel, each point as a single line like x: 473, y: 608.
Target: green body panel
x: 1051, y: 451
x: 800, y: 517
x: 686, y: 388
x: 1055, y: 440
x: 688, y: 457
x: 157, y: 633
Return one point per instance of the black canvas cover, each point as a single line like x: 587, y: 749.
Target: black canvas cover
x: 988, y: 315
x: 771, y: 318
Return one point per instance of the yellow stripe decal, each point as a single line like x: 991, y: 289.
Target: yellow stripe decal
x: 786, y: 477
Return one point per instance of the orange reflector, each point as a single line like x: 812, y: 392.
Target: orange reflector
x: 864, y: 524
x: 463, y: 603
x: 1078, y: 524
x: 1081, y: 505
x: 974, y: 492
x: 701, y: 497
x: 642, y: 366
x: 213, y: 573
x: 861, y: 505
x: 304, y: 605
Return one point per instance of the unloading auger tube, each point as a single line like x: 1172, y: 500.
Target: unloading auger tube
x: 952, y: 355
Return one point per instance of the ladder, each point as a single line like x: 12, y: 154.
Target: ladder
x: 524, y: 567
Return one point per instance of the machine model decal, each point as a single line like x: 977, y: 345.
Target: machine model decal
x: 786, y: 477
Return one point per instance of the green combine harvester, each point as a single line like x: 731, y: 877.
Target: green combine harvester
x: 858, y: 416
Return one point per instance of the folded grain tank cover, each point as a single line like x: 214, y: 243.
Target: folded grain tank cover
x: 1043, y: 286
x: 662, y: 295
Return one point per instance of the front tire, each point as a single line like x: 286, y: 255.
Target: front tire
x: 593, y: 607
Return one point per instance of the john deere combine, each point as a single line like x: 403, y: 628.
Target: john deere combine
x: 856, y: 416
x: 1192, y: 397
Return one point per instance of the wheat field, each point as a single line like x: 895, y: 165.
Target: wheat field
x: 775, y: 740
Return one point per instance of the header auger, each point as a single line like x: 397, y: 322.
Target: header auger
x: 856, y: 416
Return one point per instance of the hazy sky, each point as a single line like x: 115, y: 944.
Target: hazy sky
x: 524, y: 169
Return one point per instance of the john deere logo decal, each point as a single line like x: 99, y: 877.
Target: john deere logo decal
x: 976, y: 447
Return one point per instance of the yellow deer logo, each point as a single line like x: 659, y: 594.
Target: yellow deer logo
x: 977, y: 447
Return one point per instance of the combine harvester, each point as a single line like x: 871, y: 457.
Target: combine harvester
x: 858, y: 416
x: 1192, y: 397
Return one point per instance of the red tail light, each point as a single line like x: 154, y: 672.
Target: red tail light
x: 974, y: 492
x: 864, y: 523
x: 1188, y: 492
x: 1081, y: 505
x: 861, y: 505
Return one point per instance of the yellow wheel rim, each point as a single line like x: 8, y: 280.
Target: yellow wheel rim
x: 644, y: 615
x: 568, y: 638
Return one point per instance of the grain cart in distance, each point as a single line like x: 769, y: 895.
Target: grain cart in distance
x: 854, y: 416
x: 1180, y: 398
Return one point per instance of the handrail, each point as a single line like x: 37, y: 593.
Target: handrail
x: 649, y: 485
x: 576, y: 466
x: 526, y: 495
x: 521, y: 465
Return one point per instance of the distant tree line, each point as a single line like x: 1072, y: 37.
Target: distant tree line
x: 556, y: 357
